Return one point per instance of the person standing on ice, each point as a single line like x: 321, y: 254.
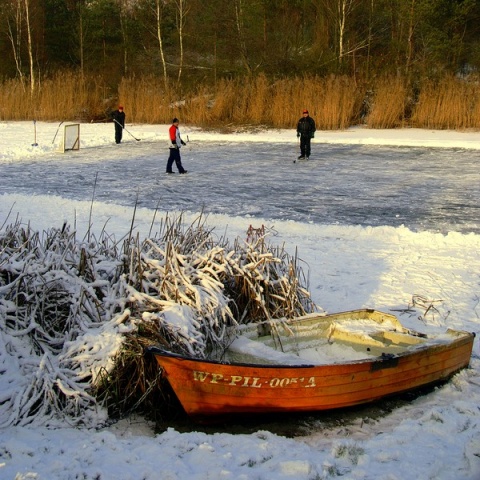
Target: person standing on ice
x: 305, y: 131
x: 175, y: 143
x: 119, y: 123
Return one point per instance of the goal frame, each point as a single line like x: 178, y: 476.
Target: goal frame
x: 71, y: 137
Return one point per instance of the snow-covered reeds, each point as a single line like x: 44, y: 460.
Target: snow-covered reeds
x: 52, y: 292
x: 187, y: 291
x: 76, y: 315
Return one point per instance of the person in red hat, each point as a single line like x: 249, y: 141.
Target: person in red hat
x: 118, y: 117
x: 305, y: 131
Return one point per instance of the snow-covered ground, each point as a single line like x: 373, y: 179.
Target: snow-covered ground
x: 378, y: 216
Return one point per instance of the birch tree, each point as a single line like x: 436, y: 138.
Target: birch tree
x: 126, y: 11
x: 13, y: 14
x: 411, y: 24
x: 81, y: 37
x: 158, y: 23
x: 182, y: 11
x: 29, y: 46
x: 240, y: 28
x: 339, y: 13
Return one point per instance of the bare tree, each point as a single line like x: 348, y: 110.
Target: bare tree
x: 339, y: 12
x: 30, y: 46
x: 411, y: 26
x: 344, y: 9
x: 370, y: 35
x: 240, y: 27
x: 13, y: 12
x: 158, y: 23
x: 182, y: 11
x: 125, y: 7
x: 81, y: 38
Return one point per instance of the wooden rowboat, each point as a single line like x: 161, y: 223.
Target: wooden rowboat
x: 316, y: 362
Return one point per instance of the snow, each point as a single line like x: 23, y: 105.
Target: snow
x: 407, y: 225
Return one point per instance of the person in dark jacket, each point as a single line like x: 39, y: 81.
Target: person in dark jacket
x: 305, y: 131
x: 119, y: 122
x: 174, y: 144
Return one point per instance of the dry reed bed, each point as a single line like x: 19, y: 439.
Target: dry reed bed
x: 77, y: 314
x: 449, y: 103
x: 389, y: 104
x: 336, y: 102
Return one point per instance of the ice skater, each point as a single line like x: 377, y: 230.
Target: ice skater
x: 119, y: 122
x: 175, y: 143
x: 305, y: 131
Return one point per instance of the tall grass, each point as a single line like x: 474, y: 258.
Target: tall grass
x: 335, y: 102
x: 229, y: 100
x: 339, y: 103
x: 147, y: 101
x: 261, y: 99
x: 450, y: 103
x: 389, y: 103
x: 15, y: 104
x: 332, y: 101
x: 65, y: 96
x: 197, y: 106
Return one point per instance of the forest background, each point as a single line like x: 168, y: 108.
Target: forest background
x: 380, y: 63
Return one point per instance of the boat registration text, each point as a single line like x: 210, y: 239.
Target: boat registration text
x: 252, y: 382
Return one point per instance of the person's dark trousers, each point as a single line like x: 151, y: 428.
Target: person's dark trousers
x: 305, y: 146
x: 118, y: 133
x: 174, y: 157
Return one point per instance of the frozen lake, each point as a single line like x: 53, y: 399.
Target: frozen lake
x: 422, y: 188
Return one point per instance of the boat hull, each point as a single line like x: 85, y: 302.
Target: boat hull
x: 209, y: 388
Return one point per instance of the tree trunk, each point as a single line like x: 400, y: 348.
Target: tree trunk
x: 80, y: 40
x: 14, y: 33
x: 341, y: 28
x: 158, y: 18
x: 411, y: 25
x: 30, y: 47
x: 370, y: 37
x: 241, y: 34
x: 182, y: 13
x: 345, y: 8
x: 123, y: 8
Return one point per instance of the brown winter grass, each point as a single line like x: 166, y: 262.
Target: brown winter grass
x: 65, y: 96
x: 335, y: 102
x: 147, y: 101
x: 389, y: 103
x: 450, y: 103
x: 332, y: 101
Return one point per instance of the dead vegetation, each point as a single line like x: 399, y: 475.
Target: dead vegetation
x: 252, y: 102
x: 426, y: 310
x: 76, y: 315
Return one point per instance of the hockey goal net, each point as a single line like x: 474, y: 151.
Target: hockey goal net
x: 71, y: 137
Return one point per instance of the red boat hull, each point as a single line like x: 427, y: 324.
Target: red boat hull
x: 207, y: 388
